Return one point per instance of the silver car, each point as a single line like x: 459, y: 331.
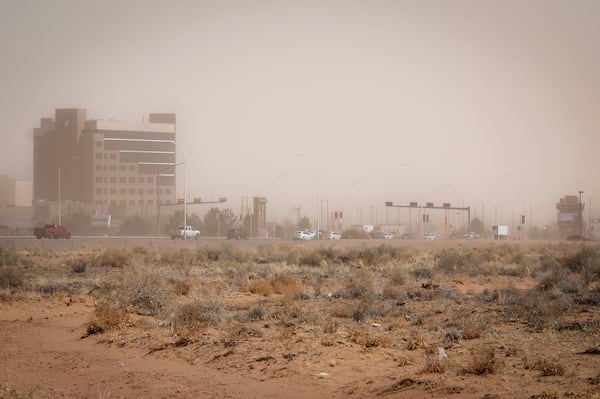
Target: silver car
x: 303, y: 235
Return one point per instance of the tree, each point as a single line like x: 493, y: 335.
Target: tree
x: 176, y: 220
x: 79, y: 222
x: 477, y: 226
x: 304, y: 223
x: 136, y: 226
x: 217, y: 222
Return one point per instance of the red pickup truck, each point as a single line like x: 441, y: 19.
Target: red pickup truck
x: 51, y: 231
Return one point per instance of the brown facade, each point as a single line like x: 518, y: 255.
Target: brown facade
x: 111, y: 167
x: 8, y: 190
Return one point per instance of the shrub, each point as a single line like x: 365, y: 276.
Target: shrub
x: 484, y: 362
x: 547, y: 367
x: 11, y: 277
x: 361, y: 284
x: 190, y: 318
x: 107, y: 317
x: 115, y: 257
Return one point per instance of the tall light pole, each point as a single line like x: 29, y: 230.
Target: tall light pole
x: 580, y: 217
x: 317, y: 209
x: 59, y: 197
x: 273, y: 194
x: 184, y: 190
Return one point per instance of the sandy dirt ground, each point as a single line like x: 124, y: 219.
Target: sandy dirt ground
x: 45, y: 352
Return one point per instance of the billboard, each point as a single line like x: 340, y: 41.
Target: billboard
x: 567, y: 218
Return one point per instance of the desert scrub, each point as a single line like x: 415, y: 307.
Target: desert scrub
x: 10, y: 257
x: 361, y: 284
x: 539, y: 309
x: 483, y: 362
x: 107, y: 317
x: 115, y: 257
x: 585, y: 261
x: 189, y: 319
x: 546, y: 366
x: 11, y: 277
x: 146, y: 290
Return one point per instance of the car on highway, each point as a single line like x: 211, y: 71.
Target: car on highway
x: 331, y: 235
x: 51, y: 231
x: 303, y: 235
x: 237, y: 234
x: 185, y: 232
x: 471, y: 235
x: 429, y: 236
x: 383, y: 235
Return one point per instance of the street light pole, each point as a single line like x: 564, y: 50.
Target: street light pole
x: 184, y: 190
x: 580, y: 217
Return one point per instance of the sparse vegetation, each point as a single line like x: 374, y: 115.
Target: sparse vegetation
x: 488, y: 306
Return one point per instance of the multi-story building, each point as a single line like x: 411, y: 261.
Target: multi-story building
x: 111, y: 167
x: 8, y: 188
x: 570, y: 215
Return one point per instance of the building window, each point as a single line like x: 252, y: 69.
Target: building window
x: 113, y: 156
x: 113, y: 168
x: 140, y: 180
x: 106, y: 191
x: 105, y: 155
x: 113, y: 202
x: 131, y: 202
x: 150, y: 180
x: 141, y: 202
x: 141, y: 191
x: 99, y: 203
x: 98, y: 168
x: 131, y: 191
x: 98, y: 179
x: 113, y: 179
x: 122, y: 191
x: 132, y: 168
x: 105, y: 179
x: 122, y: 180
x: 122, y: 202
x: 98, y: 155
x: 132, y: 180
x: 168, y: 191
x: 99, y: 144
x: 113, y: 191
x: 98, y: 191
x: 150, y: 191
x: 104, y: 167
x: 122, y: 168
x: 150, y: 202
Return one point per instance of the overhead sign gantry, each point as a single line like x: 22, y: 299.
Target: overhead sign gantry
x: 430, y: 205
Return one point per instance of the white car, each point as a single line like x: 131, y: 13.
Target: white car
x: 382, y: 235
x: 470, y: 235
x: 429, y: 236
x: 303, y: 235
x: 187, y: 232
x: 331, y: 235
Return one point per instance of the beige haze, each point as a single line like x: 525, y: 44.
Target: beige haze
x: 490, y: 104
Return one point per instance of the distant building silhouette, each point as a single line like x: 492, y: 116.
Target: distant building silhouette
x: 110, y: 167
x: 570, y: 215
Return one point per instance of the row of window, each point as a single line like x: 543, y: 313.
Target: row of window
x: 105, y: 155
x: 123, y: 179
x: 131, y: 191
x: 123, y: 202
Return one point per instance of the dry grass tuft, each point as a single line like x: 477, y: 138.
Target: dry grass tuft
x: 484, y: 362
x: 368, y: 339
x: 547, y: 367
x: 107, y: 317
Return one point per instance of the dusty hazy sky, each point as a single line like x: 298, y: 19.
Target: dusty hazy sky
x: 474, y: 102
